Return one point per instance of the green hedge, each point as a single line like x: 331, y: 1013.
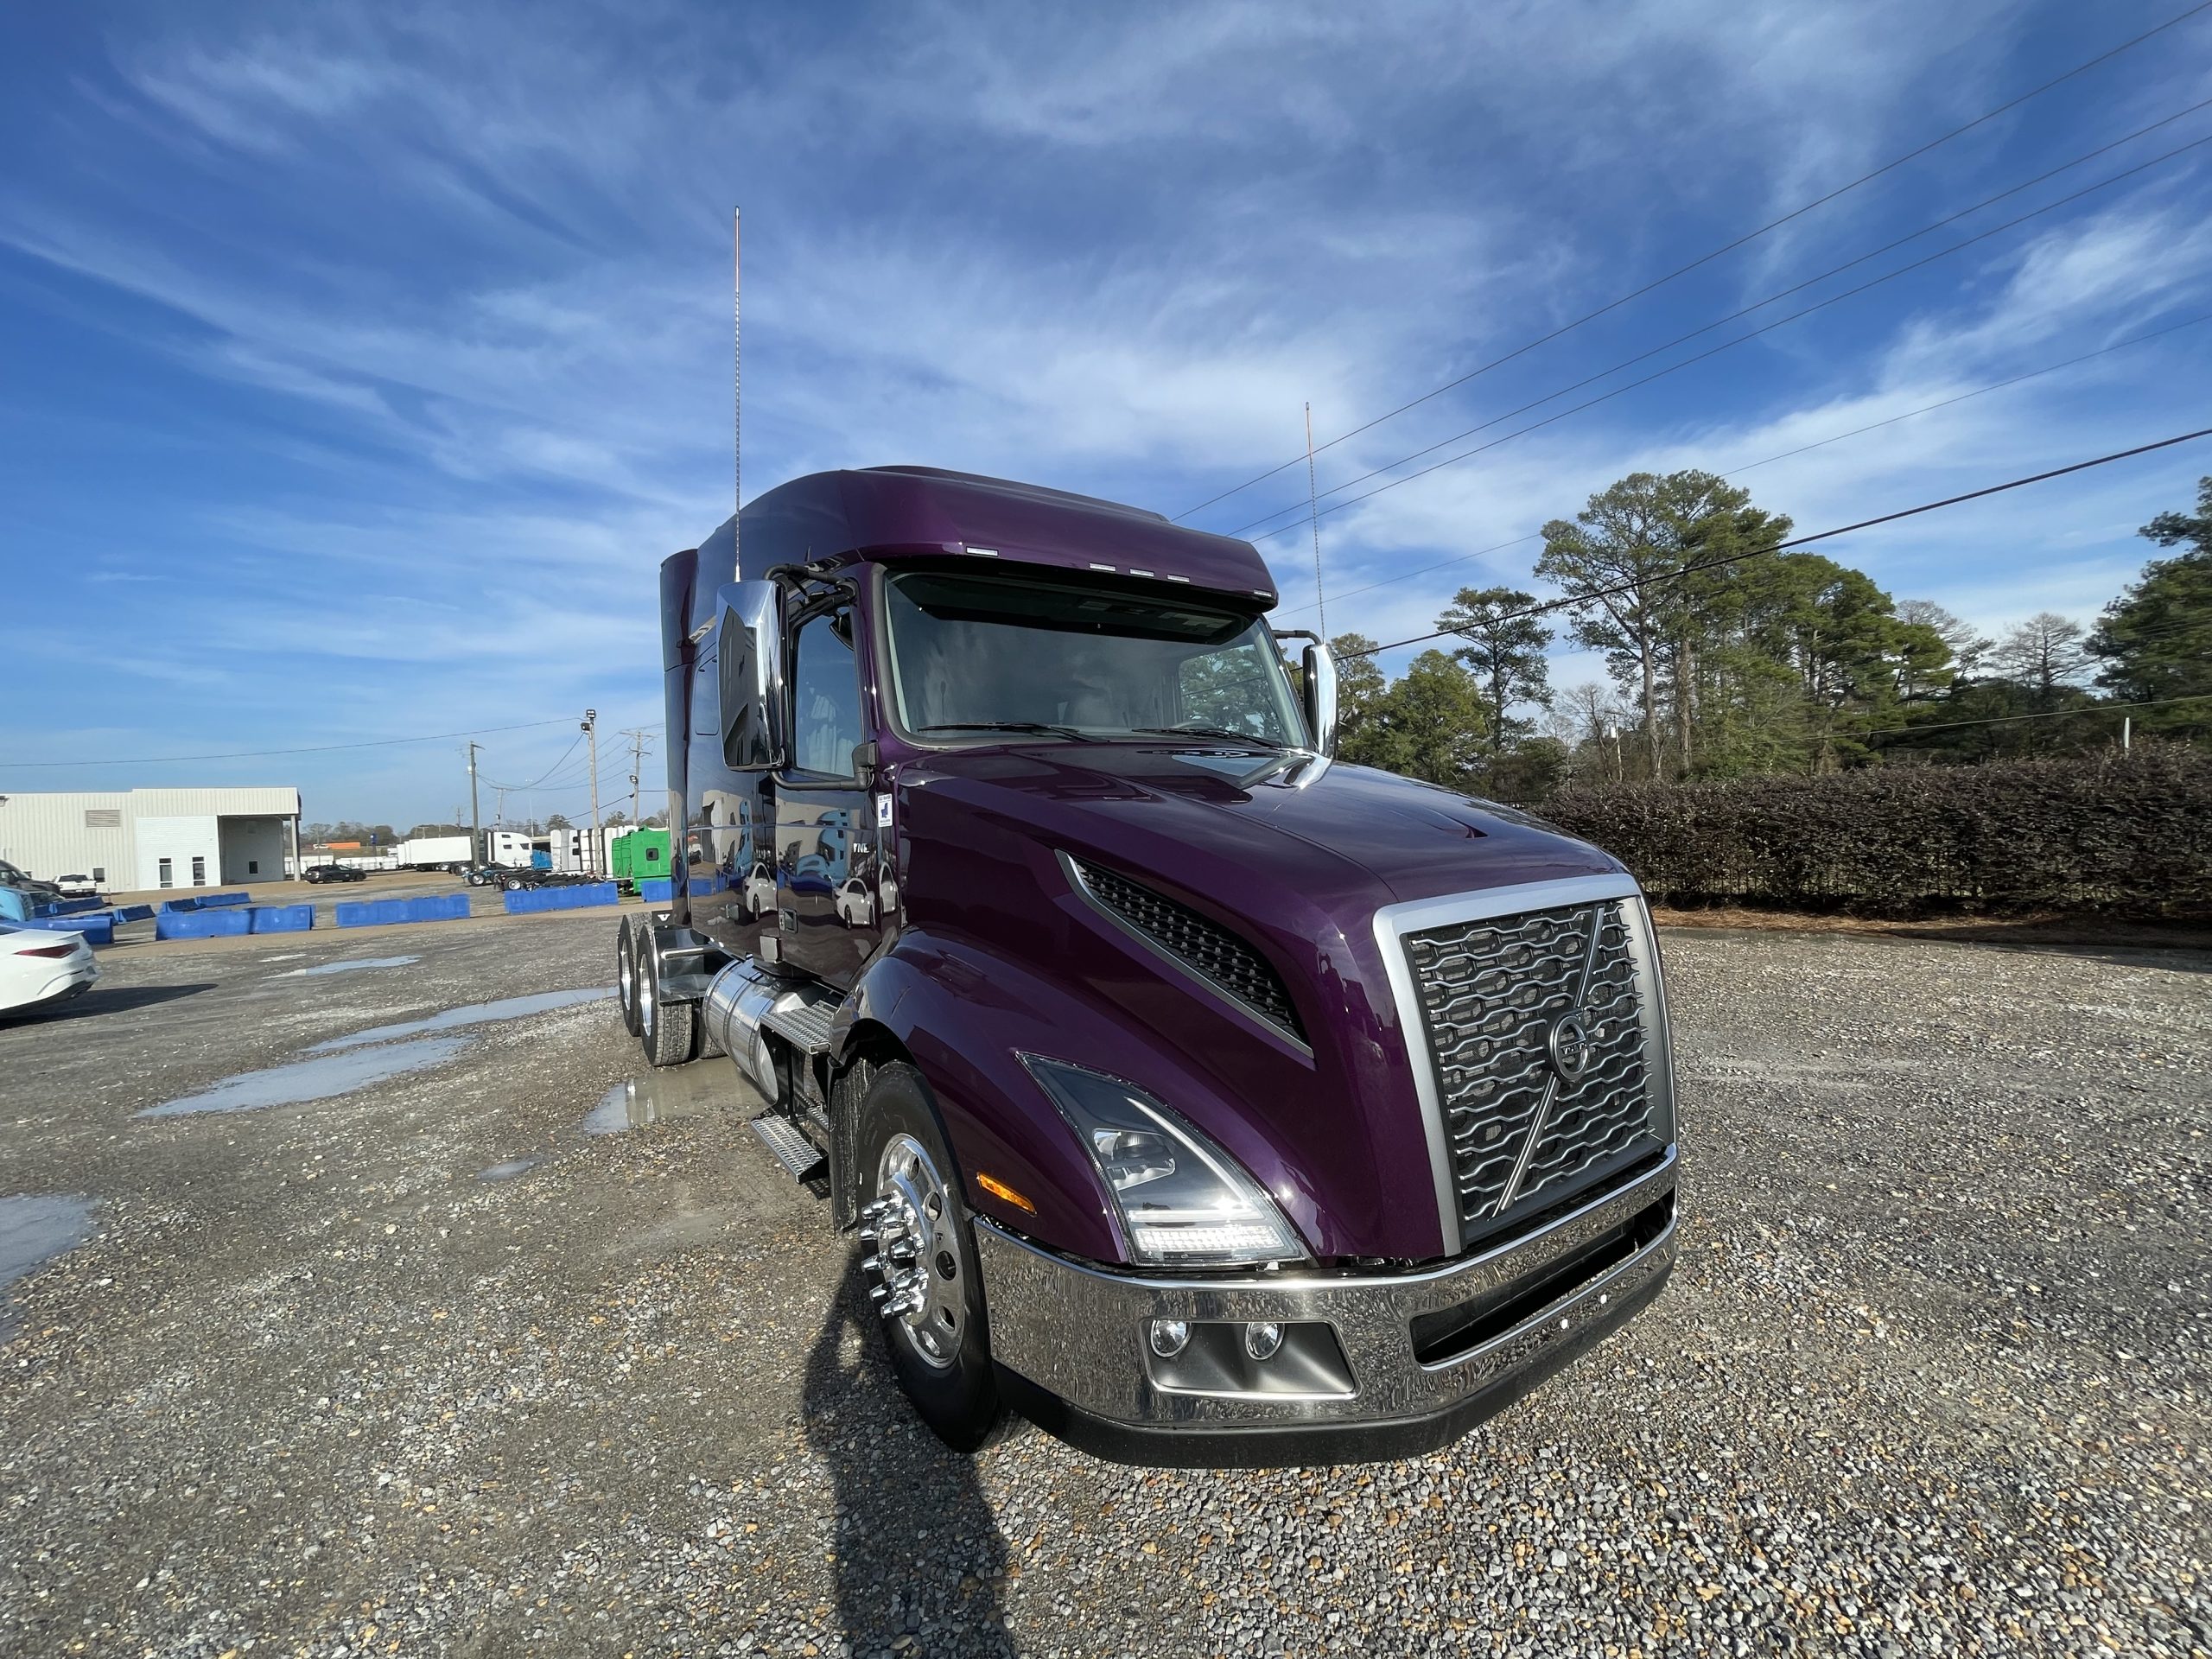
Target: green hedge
x: 2126, y: 834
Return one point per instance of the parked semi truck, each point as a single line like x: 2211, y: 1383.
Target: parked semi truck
x: 1205, y: 1099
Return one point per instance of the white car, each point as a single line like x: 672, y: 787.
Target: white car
x: 856, y: 904
x: 760, y: 894
x: 40, y: 968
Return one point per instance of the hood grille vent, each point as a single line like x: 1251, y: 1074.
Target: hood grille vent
x: 1197, y: 943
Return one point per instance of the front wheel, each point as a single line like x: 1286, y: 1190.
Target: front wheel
x: 920, y: 1263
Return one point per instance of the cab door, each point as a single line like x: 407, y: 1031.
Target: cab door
x: 829, y: 859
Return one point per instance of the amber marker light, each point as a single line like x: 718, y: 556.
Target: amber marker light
x: 999, y: 1189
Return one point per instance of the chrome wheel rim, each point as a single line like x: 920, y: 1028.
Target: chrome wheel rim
x: 626, y: 987
x: 915, y: 1263
x: 643, y: 975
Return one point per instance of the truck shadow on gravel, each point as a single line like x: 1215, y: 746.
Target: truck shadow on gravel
x: 920, y: 1559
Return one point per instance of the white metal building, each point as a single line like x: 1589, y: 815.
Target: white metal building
x: 137, y: 839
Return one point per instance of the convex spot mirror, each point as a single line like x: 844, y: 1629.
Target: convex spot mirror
x: 752, y: 648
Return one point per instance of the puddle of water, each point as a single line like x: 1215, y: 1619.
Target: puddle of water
x: 509, y: 1170
x: 476, y: 1013
x: 306, y: 1080
x: 344, y: 967
x: 36, y: 1230
x: 683, y: 1091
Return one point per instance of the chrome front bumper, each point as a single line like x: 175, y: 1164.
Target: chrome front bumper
x: 1382, y: 1365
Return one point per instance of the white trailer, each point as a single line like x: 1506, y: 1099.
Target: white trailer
x: 434, y: 853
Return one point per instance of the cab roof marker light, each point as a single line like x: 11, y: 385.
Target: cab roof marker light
x: 1135, y: 572
x: 1097, y: 566
x: 1172, y: 578
x: 984, y: 552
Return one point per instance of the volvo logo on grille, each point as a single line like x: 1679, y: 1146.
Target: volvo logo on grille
x: 1570, y: 1046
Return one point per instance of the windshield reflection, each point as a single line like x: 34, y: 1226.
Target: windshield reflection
x: 979, y: 655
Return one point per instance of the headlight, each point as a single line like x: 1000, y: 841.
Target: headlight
x: 1184, y: 1202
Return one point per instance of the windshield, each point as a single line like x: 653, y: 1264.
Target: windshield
x: 975, y: 655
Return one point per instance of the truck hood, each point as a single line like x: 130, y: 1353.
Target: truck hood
x: 1289, y: 853
x: 1370, y: 838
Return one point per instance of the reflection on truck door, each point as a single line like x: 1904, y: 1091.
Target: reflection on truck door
x: 825, y: 828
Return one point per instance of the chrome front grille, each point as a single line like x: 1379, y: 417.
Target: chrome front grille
x: 1521, y: 1126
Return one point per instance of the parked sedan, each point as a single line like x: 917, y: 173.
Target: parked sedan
x: 39, y: 968
x: 333, y: 873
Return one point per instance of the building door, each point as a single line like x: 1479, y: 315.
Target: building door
x: 829, y: 862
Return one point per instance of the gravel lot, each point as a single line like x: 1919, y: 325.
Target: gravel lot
x: 426, y: 1368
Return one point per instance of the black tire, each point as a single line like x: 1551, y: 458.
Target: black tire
x: 956, y: 1394
x: 625, y: 976
x: 313, y: 878
x: 668, y: 1031
x: 513, y: 884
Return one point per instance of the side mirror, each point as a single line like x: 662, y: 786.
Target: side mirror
x: 752, y: 645
x: 1318, y: 672
x: 1321, y: 665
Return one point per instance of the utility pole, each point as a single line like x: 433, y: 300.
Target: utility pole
x: 475, y: 817
x: 598, y: 843
x: 639, y: 739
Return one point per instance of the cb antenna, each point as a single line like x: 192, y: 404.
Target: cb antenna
x: 1313, y: 506
x: 737, y: 401
x: 736, y: 398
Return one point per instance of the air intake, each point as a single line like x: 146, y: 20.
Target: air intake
x: 1194, y: 943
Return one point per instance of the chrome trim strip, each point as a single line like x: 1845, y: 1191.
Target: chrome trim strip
x: 1073, y: 871
x: 1392, y: 924
x: 1077, y: 1329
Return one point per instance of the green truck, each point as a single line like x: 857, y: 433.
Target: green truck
x: 640, y: 855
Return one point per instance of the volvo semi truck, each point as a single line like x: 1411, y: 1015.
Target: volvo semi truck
x: 1198, y: 1095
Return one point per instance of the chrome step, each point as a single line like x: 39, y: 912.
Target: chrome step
x: 790, y: 1147
x: 804, y: 1026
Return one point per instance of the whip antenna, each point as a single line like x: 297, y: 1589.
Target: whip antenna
x: 737, y: 405
x: 1313, y: 506
x: 736, y: 401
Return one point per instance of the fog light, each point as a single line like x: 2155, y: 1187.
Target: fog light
x: 1262, y: 1339
x: 1168, y: 1337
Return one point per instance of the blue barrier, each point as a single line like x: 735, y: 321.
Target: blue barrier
x: 70, y: 906
x: 179, y: 906
x: 202, y: 924
x: 97, y: 929
x: 381, y: 913
x: 133, y: 913
x: 210, y: 900
x: 281, y: 919
x: 655, y: 890
x: 581, y: 897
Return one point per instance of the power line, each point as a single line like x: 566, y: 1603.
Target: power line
x: 318, y: 748
x: 1910, y: 730
x: 1805, y: 448
x: 1567, y: 602
x: 1695, y: 357
x: 1727, y: 248
x: 524, y: 789
x: 1799, y: 287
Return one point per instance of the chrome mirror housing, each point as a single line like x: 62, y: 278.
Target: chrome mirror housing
x: 752, y: 645
x: 1321, y: 665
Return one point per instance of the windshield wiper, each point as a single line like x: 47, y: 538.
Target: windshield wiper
x: 1210, y: 731
x: 1069, y: 732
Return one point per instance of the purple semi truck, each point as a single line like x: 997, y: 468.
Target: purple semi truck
x: 1202, y: 1098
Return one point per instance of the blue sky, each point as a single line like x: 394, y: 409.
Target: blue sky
x: 358, y: 366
